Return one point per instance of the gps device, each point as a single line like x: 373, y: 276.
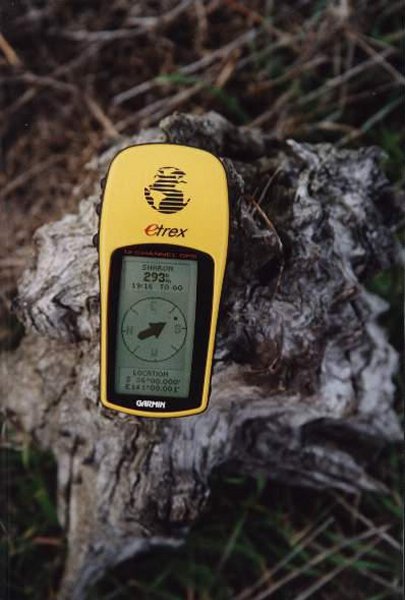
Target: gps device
x: 163, y: 242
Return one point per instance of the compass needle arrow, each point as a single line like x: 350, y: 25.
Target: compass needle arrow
x: 154, y: 329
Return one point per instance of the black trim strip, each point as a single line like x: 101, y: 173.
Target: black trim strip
x: 205, y: 283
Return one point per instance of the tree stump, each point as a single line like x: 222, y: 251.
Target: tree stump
x: 302, y: 385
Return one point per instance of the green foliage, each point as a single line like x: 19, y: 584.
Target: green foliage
x: 256, y: 537
x: 260, y: 537
x: 32, y: 546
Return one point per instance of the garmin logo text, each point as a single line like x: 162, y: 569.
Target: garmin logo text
x: 159, y: 230
x: 150, y: 404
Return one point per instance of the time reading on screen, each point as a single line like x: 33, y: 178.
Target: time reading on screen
x: 156, y: 317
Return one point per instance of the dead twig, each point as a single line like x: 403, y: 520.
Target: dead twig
x: 84, y: 35
x: 202, y: 25
x: 360, y: 41
x: 300, y: 543
x: 227, y: 70
x: 296, y: 69
x: 189, y: 69
x: 268, y: 114
x: 258, y: 19
x: 29, y: 174
x: 320, y: 557
x: 322, y: 581
x: 358, y: 515
x: 138, y: 26
x: 101, y: 117
x: 367, y: 125
x: 11, y: 55
x: 46, y: 81
x: 152, y: 113
x: 335, y: 82
x: 150, y: 23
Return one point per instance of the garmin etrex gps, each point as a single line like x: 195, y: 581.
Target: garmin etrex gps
x: 163, y: 242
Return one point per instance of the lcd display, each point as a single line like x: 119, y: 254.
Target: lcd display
x: 155, y: 327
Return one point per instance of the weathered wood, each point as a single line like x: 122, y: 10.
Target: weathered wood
x: 302, y: 384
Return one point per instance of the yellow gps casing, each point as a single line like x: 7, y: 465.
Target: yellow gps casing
x: 163, y: 242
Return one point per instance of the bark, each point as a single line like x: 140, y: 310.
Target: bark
x: 302, y: 386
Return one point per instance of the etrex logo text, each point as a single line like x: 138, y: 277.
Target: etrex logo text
x: 159, y: 230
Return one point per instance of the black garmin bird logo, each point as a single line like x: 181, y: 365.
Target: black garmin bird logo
x: 165, y: 194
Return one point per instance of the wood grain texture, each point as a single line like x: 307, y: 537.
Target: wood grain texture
x: 302, y: 388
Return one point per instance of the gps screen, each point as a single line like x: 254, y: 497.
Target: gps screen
x: 155, y: 327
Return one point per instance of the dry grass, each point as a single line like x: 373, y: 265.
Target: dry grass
x: 78, y: 75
